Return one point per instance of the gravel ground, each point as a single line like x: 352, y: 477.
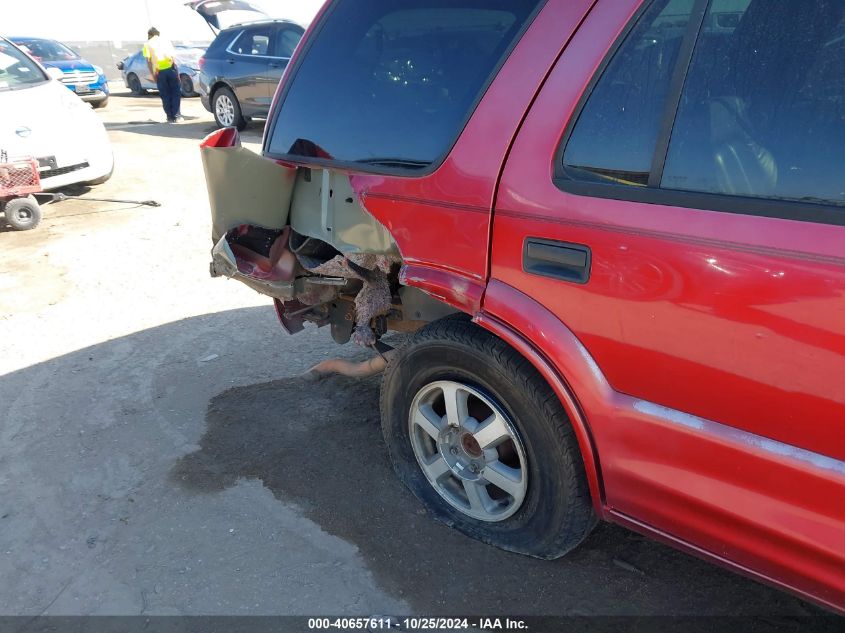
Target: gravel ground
x: 160, y: 454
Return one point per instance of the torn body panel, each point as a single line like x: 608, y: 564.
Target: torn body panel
x: 303, y: 237
x: 325, y: 207
x: 243, y: 187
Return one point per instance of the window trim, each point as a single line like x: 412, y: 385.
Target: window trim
x: 363, y: 168
x: 566, y: 181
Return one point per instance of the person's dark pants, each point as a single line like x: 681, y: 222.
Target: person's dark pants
x: 170, y: 92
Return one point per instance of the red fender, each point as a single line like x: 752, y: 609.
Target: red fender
x: 568, y: 367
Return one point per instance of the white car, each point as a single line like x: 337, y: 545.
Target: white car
x: 42, y: 119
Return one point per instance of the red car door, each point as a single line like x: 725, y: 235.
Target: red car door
x: 675, y: 203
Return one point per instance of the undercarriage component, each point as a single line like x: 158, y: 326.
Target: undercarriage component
x: 342, y: 321
x: 418, y: 306
x: 374, y: 298
x: 364, y: 369
x: 293, y: 315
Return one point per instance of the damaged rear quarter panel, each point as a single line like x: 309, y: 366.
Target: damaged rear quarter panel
x: 243, y: 187
x: 326, y: 207
x: 256, y: 205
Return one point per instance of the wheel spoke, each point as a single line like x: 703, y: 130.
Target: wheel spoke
x: 487, y: 485
x: 479, y: 500
x: 493, y: 431
x: 504, y: 477
x: 436, y: 469
x: 427, y: 419
x: 456, y: 404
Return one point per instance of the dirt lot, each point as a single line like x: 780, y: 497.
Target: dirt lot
x: 160, y: 454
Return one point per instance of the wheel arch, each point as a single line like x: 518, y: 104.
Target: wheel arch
x: 530, y: 328
x: 216, y: 85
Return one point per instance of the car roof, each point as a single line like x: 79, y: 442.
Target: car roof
x: 241, y: 25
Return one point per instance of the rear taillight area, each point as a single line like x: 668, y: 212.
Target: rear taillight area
x: 201, y: 62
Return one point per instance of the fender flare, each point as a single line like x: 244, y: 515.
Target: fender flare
x: 217, y: 84
x: 554, y: 350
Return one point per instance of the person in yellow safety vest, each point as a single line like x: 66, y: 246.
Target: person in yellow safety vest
x: 160, y: 56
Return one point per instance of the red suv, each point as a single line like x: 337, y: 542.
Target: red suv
x: 616, y: 232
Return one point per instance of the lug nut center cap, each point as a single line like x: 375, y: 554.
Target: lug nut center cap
x: 470, y: 445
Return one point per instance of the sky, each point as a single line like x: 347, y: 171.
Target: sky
x: 126, y: 20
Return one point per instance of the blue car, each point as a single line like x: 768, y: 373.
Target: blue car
x: 80, y: 76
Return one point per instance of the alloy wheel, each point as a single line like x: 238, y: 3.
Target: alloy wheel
x: 225, y: 110
x: 468, y: 450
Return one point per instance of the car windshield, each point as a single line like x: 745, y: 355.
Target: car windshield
x: 48, y: 50
x: 17, y: 70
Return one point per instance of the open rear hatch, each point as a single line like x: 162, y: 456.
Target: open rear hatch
x: 221, y: 14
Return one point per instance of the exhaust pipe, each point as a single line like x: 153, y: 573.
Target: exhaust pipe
x: 342, y: 367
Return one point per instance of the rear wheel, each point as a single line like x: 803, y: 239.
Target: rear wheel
x: 227, y: 110
x: 23, y: 214
x: 186, y: 85
x: 135, y: 84
x: 480, y: 438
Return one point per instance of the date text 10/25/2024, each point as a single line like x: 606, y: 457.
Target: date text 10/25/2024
x: 418, y: 624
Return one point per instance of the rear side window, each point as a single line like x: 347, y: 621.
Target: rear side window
x: 616, y: 134
x: 392, y: 84
x: 221, y: 43
x: 253, y: 42
x: 760, y: 93
x: 763, y: 110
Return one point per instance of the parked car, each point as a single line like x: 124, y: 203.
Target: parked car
x: 241, y: 69
x: 44, y: 121
x: 79, y: 75
x: 635, y: 212
x: 136, y: 74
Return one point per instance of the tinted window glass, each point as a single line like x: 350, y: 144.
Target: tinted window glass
x: 220, y: 44
x: 616, y: 134
x: 253, y: 42
x: 286, y: 41
x: 47, y: 50
x: 392, y: 83
x: 763, y: 108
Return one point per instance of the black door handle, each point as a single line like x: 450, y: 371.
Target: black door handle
x: 230, y: 60
x: 558, y: 260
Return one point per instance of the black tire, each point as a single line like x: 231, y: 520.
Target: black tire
x: 100, y: 104
x: 238, y: 119
x: 134, y: 84
x: 556, y: 514
x: 23, y: 214
x: 186, y: 85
